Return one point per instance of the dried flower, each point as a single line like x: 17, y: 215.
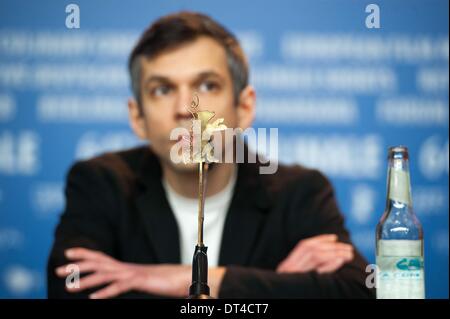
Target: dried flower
x: 201, y: 130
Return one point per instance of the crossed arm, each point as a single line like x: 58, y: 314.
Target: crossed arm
x: 110, y: 277
x: 318, y: 266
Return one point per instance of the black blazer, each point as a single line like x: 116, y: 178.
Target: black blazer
x: 115, y: 203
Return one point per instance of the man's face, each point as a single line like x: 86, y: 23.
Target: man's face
x: 168, y: 83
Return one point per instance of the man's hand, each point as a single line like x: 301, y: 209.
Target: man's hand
x: 322, y: 253
x: 120, y: 277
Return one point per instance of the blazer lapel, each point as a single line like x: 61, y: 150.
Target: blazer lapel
x: 245, y: 217
x: 243, y: 222
x: 157, y: 216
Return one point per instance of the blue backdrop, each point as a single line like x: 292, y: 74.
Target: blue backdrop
x: 339, y: 92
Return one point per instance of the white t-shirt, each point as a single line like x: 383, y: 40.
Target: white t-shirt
x: 186, y: 214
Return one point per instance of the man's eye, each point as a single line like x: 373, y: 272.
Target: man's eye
x: 208, y: 86
x: 160, y: 90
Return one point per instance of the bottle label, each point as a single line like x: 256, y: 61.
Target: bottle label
x: 400, y: 270
x: 399, y: 186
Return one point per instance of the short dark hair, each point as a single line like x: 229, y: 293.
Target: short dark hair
x: 176, y: 29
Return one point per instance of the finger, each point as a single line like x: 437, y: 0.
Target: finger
x: 281, y: 266
x: 297, y: 260
x: 293, y: 256
x: 295, y: 265
x: 81, y: 267
x: 112, y: 290
x: 313, y: 260
x: 320, y: 238
x: 313, y: 241
x: 285, y: 264
x: 331, y: 247
x: 324, y: 246
x: 302, y: 245
x: 87, y: 266
x: 321, y: 257
x: 90, y: 281
x: 83, y: 253
x: 318, y: 260
x: 301, y: 253
x: 331, y: 266
x: 344, y: 246
x: 305, y: 264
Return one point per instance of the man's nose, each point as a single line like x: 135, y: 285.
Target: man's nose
x: 183, y: 104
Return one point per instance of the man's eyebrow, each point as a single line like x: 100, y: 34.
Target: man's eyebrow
x: 199, y: 77
x: 207, y: 74
x: 157, y: 78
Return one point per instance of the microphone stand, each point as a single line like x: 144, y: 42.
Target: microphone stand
x: 199, y: 288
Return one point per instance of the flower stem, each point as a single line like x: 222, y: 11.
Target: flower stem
x: 202, y: 177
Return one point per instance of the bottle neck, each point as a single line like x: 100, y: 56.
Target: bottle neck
x: 399, y: 221
x: 398, y: 183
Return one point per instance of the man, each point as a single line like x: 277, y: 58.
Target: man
x: 129, y: 222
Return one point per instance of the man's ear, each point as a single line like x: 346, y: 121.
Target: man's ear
x: 246, y: 107
x: 137, y: 119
